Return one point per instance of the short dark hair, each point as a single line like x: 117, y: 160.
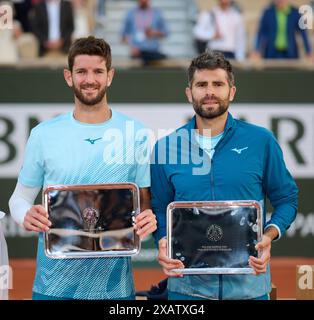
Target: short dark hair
x: 211, y: 60
x: 91, y: 46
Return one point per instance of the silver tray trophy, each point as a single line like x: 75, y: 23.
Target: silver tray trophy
x: 91, y: 221
x: 214, y: 237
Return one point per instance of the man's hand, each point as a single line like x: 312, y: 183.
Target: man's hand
x: 36, y: 219
x: 167, y: 263
x: 145, y: 223
x: 259, y: 264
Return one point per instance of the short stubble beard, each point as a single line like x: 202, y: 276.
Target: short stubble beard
x: 89, y: 101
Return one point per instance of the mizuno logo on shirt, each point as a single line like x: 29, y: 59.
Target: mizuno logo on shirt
x: 92, y: 141
x: 238, y: 151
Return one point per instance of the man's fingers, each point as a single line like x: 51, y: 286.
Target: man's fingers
x: 30, y: 227
x: 149, y: 228
x: 258, y: 265
x: 166, y: 263
x: 32, y: 222
x: 41, y: 219
x: 172, y: 274
x: 143, y: 214
x: 144, y: 217
x: 141, y: 223
x: 260, y: 261
x: 172, y: 263
x: 167, y: 267
x: 40, y: 209
x: 258, y: 271
x: 146, y: 226
x: 36, y: 219
x: 146, y: 223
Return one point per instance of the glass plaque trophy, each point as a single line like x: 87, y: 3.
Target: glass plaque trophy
x: 91, y: 220
x: 214, y: 237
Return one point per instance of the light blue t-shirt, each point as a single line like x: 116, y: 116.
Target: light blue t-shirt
x: 208, y: 144
x: 65, y: 151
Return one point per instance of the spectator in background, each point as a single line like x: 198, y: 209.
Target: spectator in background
x: 142, y: 29
x: 8, y: 35
x: 22, y: 8
x: 276, y: 38
x: 100, y: 13
x: 221, y: 29
x: 16, y: 44
x: 100, y: 8
x: 82, y: 27
x: 53, y: 25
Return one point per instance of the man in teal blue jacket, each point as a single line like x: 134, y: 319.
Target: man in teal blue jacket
x: 224, y: 159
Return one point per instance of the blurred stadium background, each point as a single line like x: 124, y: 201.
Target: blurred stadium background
x: 276, y: 94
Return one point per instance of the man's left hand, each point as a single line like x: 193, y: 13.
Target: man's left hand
x: 260, y: 264
x: 145, y: 223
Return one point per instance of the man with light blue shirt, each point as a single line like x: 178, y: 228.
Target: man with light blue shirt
x: 142, y: 29
x: 93, y: 144
x: 220, y: 158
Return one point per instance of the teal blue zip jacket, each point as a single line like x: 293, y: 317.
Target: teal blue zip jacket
x: 247, y: 164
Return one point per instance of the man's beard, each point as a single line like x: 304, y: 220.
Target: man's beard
x: 223, y: 106
x: 89, y: 101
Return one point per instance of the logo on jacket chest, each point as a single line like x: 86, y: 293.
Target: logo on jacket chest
x: 239, y: 150
x: 92, y: 141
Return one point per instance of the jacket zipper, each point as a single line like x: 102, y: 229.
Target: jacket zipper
x: 212, y: 179
x: 213, y: 198
x: 220, y: 283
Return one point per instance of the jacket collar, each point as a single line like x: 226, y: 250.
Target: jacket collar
x: 191, y: 125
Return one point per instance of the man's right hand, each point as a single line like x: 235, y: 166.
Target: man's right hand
x: 36, y: 219
x: 167, y: 263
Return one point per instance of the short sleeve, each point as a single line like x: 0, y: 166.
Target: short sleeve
x: 32, y: 171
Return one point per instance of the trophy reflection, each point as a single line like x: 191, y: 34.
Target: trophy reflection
x: 90, y: 217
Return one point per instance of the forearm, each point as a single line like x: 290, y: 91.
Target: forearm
x: 145, y: 198
x: 21, y: 201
